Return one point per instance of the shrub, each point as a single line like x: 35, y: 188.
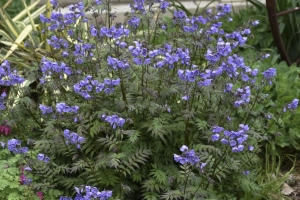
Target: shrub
x: 152, y: 108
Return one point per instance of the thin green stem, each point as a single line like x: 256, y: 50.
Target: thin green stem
x: 33, y: 116
x: 186, y: 180
x: 252, y: 107
x: 155, y: 29
x: 123, y: 90
x: 216, y: 166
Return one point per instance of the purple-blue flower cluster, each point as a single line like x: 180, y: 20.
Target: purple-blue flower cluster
x: 73, y: 138
x: 161, y: 57
x: 233, y: 67
x: 90, y: 193
x: 14, y: 146
x: 45, y: 109
x: 8, y: 77
x: 243, y: 96
x: 86, y: 86
x: 117, y: 64
x: 59, y: 21
x: 54, y: 3
x: 24, y: 180
x: 121, y: 44
x: 50, y: 68
x: 193, y: 24
x: 292, y: 106
x: 235, y: 139
x: 139, y: 54
x: 237, y: 38
x: 163, y: 5
x: 58, y: 43
x: 134, y: 22
x: 64, y: 108
x: 138, y: 6
x: 188, y: 75
x: 228, y: 87
x: 42, y: 157
x: 179, y: 15
x: 82, y: 51
x: 172, y: 56
x: 187, y: 157
x: 223, y: 9
x: 205, y: 78
x: 114, y: 120
x: 269, y: 74
x: 224, y: 48
x: 114, y: 32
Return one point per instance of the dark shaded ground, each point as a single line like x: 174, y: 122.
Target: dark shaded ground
x: 294, y: 182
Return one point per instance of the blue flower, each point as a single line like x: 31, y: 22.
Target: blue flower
x: 93, y: 31
x: 73, y: 138
x: 90, y: 193
x: 114, y: 120
x: 184, y: 148
x: 254, y: 72
x: 117, y: 64
x: 54, y: 3
x: 40, y: 156
x: 134, y: 22
x: 293, y: 105
x: 269, y: 74
x: 2, y: 144
x: 255, y: 23
x: 217, y: 129
x: 138, y: 6
x: 185, y: 97
x: 9, y: 77
x: 250, y: 148
x: 43, y: 158
x: 180, y: 14
x: 215, y: 137
x: 45, y: 109
x: 228, y: 87
x: 14, y: 146
x: 98, y: 2
x: 163, y: 6
x: 224, y: 141
x: 243, y: 96
x: 187, y: 157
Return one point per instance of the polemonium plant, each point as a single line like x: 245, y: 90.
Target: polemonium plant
x: 119, y: 100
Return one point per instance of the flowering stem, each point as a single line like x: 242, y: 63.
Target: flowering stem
x: 155, y: 29
x: 186, y: 180
x: 85, y: 158
x: 280, y: 114
x: 196, y: 191
x: 255, y: 100
x: 122, y: 87
x: 33, y: 116
x: 108, y: 13
x: 142, y: 85
x: 216, y: 166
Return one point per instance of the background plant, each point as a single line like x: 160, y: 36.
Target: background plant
x: 288, y: 25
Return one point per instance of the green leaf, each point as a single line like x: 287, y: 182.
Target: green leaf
x: 15, y: 196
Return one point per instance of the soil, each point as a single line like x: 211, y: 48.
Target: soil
x: 294, y: 182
